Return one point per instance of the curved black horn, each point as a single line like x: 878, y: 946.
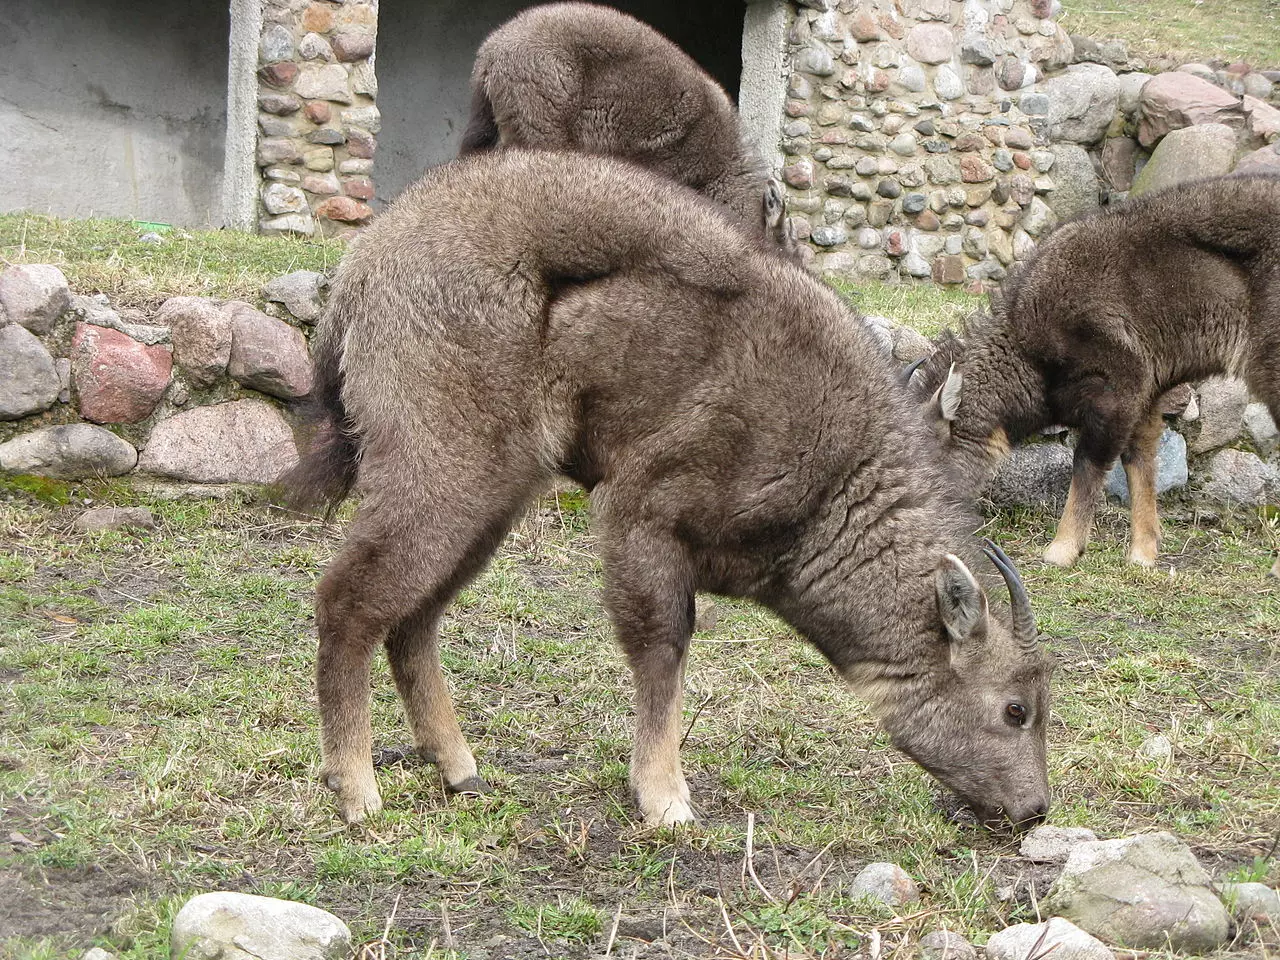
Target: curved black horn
x: 904, y: 378
x: 1024, y: 621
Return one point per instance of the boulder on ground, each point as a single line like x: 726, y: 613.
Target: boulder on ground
x: 1238, y: 478
x: 241, y: 926
x: 1143, y: 892
x: 34, y: 295
x: 1082, y: 102
x: 1049, y: 844
x: 245, y: 441
x: 1221, y: 404
x: 1171, y: 468
x: 75, y: 451
x: 267, y: 354
x: 119, y: 379
x: 1265, y: 160
x: 1035, y: 475
x: 887, y: 883
x: 1075, y: 182
x: 301, y: 293
x: 29, y: 381
x: 1252, y: 903
x: 114, y: 518
x: 946, y: 945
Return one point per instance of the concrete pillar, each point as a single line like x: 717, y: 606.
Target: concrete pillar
x: 763, y: 91
x: 239, y: 171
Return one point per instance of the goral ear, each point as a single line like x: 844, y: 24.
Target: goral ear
x: 961, y: 603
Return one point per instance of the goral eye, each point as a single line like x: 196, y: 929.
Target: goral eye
x: 1015, y: 713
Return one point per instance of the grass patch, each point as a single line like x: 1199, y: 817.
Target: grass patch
x: 926, y: 308
x: 158, y: 738
x: 1183, y: 30
x: 107, y: 256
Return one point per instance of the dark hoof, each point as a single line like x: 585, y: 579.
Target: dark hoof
x: 472, y: 787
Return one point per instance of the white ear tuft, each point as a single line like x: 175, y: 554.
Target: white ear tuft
x: 949, y: 393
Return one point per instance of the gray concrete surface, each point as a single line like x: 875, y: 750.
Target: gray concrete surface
x: 114, y: 108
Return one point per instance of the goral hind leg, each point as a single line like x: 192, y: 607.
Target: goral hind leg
x: 1140, y: 470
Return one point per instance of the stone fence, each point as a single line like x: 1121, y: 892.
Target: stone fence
x: 943, y: 138
x: 204, y: 391
x: 203, y: 388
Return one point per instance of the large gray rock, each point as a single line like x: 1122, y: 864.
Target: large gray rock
x: 267, y: 354
x: 1075, y: 183
x: 301, y: 293
x: 1221, y: 404
x: 240, y: 926
x: 1238, y: 477
x: 1208, y: 150
x: 1145, y: 892
x: 201, y: 333
x: 1177, y: 100
x: 1082, y: 102
x: 887, y: 883
x: 75, y: 451
x: 34, y: 295
x: 1063, y: 938
x: 246, y: 441
x: 1171, y: 468
x: 1131, y: 86
x: 1036, y: 475
x: 1049, y: 844
x: 1264, y: 160
x: 28, y: 379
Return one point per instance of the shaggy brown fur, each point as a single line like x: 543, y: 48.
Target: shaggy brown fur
x: 1113, y: 310
x: 575, y: 76
x: 739, y: 433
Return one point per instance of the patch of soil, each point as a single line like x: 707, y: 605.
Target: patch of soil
x: 56, y: 901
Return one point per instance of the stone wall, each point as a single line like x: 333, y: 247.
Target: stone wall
x: 200, y: 391
x: 916, y: 143
x: 318, y: 122
x: 942, y: 138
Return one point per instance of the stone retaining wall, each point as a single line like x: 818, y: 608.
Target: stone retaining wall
x: 203, y: 391
x: 200, y: 391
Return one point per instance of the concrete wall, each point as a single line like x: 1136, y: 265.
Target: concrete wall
x: 425, y: 52
x: 114, y: 108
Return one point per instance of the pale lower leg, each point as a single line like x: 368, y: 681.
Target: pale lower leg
x: 342, y: 686
x: 656, y: 775
x: 1140, y: 470
x: 1077, y: 519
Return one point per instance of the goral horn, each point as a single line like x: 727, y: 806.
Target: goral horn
x: 904, y: 378
x: 1024, y: 621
